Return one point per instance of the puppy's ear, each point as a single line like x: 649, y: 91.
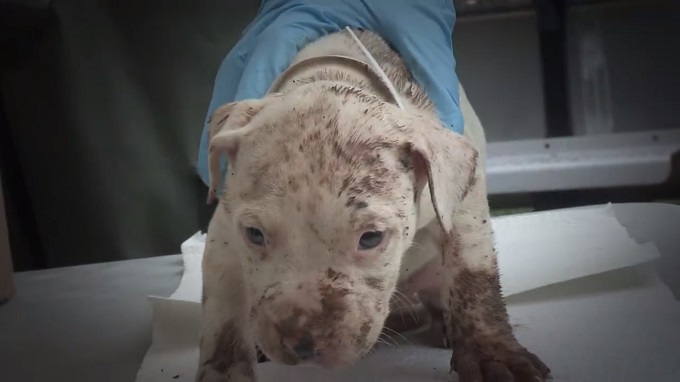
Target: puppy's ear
x: 227, y: 126
x: 446, y: 161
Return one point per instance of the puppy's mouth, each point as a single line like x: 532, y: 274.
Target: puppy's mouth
x: 305, y: 352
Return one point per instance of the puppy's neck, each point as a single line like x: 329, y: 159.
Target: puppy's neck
x: 334, y: 68
x: 342, y: 60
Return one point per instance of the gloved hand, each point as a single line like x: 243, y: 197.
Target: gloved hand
x: 420, y: 31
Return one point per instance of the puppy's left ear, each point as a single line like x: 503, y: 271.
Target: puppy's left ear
x: 227, y: 126
x: 445, y: 160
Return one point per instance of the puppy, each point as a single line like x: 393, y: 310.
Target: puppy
x: 335, y: 200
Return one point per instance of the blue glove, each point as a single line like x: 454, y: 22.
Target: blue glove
x: 420, y: 31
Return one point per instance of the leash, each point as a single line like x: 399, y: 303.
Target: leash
x: 377, y: 68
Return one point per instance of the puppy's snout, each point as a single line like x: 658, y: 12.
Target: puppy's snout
x: 304, y: 348
x: 297, y: 341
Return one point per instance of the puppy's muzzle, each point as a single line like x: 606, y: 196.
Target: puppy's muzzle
x: 296, y: 341
x: 303, y: 348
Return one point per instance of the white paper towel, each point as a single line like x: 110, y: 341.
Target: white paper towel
x: 586, y: 330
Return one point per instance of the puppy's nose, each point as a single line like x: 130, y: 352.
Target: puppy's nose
x: 303, y: 349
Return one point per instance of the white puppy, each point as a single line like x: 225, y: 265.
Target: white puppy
x: 335, y: 200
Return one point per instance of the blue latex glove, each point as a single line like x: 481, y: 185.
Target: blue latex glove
x: 420, y: 31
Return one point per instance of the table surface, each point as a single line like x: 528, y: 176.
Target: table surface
x: 81, y: 323
x: 52, y: 329
x: 70, y: 324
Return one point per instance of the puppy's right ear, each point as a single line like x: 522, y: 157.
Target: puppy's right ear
x: 227, y: 125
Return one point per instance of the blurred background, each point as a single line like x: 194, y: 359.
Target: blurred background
x: 102, y: 104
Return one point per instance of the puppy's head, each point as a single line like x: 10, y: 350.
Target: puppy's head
x: 321, y: 196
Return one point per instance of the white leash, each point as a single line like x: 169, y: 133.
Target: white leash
x: 377, y: 68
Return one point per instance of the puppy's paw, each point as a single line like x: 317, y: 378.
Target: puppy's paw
x: 483, y: 361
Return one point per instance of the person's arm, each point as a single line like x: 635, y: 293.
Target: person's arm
x: 422, y: 35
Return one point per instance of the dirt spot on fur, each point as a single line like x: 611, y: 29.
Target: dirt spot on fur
x: 375, y: 283
x: 362, y: 337
x: 333, y: 304
x: 334, y: 275
x: 294, y: 184
x: 231, y: 351
x: 477, y: 308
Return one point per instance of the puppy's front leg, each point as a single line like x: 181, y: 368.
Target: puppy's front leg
x: 476, y: 319
x: 227, y: 350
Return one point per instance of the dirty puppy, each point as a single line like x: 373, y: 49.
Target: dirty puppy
x: 341, y: 195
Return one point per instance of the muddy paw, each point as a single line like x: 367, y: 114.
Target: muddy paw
x: 497, y: 362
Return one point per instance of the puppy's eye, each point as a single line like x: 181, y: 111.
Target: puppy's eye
x: 255, y: 236
x: 370, y: 240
